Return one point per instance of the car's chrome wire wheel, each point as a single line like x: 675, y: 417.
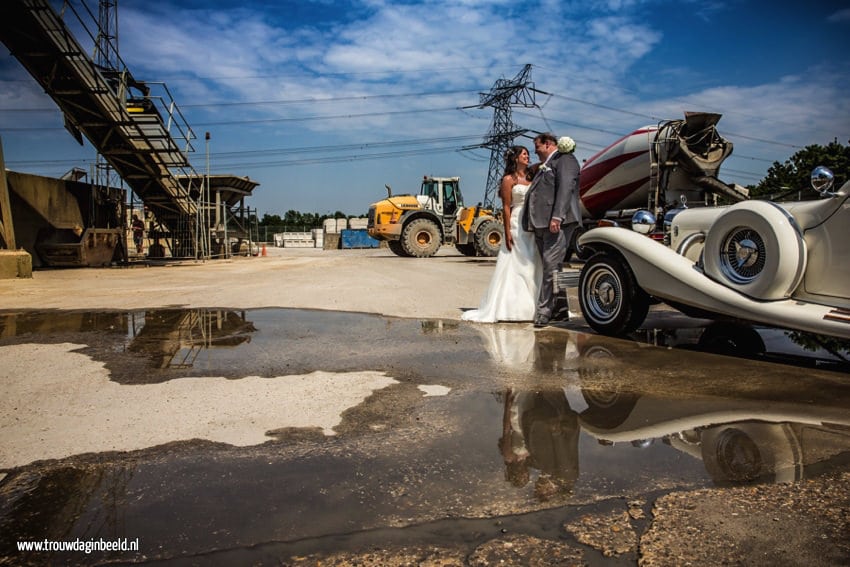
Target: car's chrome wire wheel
x: 603, y: 293
x: 756, y: 248
x: 743, y: 255
x: 611, y: 300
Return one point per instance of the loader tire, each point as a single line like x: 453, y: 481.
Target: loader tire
x: 488, y: 238
x: 396, y: 248
x: 421, y: 238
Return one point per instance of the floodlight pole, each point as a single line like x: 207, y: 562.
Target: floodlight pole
x: 206, y: 216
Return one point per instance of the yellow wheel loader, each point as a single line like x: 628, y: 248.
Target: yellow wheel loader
x: 417, y: 225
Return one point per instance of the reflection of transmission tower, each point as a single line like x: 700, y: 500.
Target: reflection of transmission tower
x: 518, y: 91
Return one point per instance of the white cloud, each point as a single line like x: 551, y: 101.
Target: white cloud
x: 596, y: 56
x: 840, y: 16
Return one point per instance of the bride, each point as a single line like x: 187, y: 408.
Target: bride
x: 513, y: 290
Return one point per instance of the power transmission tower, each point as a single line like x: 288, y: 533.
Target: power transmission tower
x: 505, y: 94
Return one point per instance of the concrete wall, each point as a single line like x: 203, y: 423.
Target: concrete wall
x: 57, y: 211
x: 15, y: 264
x: 327, y: 237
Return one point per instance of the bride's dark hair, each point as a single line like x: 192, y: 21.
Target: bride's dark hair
x: 510, y: 158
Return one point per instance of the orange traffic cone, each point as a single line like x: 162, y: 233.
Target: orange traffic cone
x: 263, y: 252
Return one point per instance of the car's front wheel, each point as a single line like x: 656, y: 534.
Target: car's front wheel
x: 611, y: 301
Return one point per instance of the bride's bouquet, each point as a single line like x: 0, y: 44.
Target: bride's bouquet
x: 566, y: 145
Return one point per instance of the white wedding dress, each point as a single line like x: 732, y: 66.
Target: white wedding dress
x: 512, y: 295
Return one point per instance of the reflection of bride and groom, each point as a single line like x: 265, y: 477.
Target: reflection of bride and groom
x: 541, y: 210
x: 540, y: 431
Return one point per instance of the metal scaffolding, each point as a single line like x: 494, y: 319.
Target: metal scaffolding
x: 136, y: 127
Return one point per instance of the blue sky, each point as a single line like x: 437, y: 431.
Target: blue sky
x: 324, y: 102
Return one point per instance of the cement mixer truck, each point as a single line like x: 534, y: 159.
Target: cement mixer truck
x: 662, y: 168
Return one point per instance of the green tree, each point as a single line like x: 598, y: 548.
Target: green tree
x: 792, y: 176
x: 271, y: 220
x: 840, y: 348
x: 297, y: 221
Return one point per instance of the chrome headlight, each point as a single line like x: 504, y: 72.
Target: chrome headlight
x: 643, y: 222
x: 822, y: 180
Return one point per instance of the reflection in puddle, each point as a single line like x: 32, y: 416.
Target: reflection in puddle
x: 540, y: 431
x: 453, y: 420
x: 170, y: 338
x: 759, y: 343
x: 769, y: 438
x: 175, y: 338
x: 736, y: 442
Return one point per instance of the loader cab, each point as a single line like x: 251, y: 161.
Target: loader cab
x: 444, y: 192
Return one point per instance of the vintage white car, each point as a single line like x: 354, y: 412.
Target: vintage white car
x: 785, y: 265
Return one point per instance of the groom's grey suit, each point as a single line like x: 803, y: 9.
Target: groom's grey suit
x: 554, y: 193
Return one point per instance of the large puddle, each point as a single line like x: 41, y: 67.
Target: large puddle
x: 212, y: 431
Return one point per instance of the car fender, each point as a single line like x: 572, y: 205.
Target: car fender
x: 664, y: 274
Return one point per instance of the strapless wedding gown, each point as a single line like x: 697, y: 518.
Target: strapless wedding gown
x: 512, y: 294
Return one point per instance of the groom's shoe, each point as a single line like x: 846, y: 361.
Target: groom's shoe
x: 562, y: 310
x: 541, y: 321
x: 561, y: 316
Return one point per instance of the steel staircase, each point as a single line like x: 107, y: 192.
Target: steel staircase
x: 142, y: 135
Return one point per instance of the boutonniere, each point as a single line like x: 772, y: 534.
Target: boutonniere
x: 544, y: 168
x: 566, y: 145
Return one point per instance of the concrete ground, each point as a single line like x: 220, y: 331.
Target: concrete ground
x: 363, y: 280
x: 794, y: 524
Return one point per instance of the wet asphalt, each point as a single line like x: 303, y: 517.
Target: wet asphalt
x: 482, y: 430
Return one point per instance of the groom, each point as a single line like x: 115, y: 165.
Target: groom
x: 552, y: 199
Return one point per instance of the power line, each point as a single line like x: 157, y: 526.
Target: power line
x: 329, y: 99
x: 270, y: 120
x: 346, y: 147
x: 382, y: 96
x: 219, y: 104
x: 236, y: 155
x: 621, y: 134
x: 681, y: 100
x: 336, y: 159
x: 327, y: 117
x: 395, y: 72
